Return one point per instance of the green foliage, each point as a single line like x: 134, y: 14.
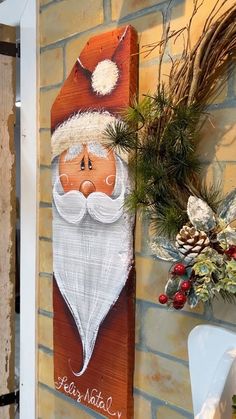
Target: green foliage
x: 204, y: 292
x: 214, y: 275
x: 211, y: 194
x: 168, y: 219
x: 121, y: 137
x: 139, y: 112
x: 163, y: 138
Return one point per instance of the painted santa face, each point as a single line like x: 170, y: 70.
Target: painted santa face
x: 88, y: 168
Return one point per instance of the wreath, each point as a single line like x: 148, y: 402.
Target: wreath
x: 192, y: 222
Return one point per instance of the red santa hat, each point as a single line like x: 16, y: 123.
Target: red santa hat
x: 97, y: 89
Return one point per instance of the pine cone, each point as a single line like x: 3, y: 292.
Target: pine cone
x: 191, y: 242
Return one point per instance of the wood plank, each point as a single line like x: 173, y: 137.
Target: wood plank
x: 109, y: 375
x: 111, y: 367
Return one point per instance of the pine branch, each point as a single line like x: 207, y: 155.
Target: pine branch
x: 167, y: 220
x: 211, y: 194
x: 121, y: 137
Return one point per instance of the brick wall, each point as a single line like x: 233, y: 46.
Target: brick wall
x: 162, y: 386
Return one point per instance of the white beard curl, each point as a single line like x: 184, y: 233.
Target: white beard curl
x: 92, y: 254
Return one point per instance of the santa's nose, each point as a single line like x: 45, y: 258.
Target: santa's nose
x: 87, y: 188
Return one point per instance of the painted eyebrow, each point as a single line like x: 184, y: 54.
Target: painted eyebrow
x: 73, y: 152
x: 98, y: 150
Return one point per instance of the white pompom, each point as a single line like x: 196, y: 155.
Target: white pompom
x: 105, y: 77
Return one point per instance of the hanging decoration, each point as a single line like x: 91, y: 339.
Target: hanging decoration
x: 192, y: 223
x: 206, y: 247
x: 94, y: 277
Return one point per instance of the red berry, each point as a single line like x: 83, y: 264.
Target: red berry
x: 163, y: 299
x: 180, y: 298
x: 179, y: 269
x: 234, y: 256
x: 178, y: 306
x: 185, y: 286
x: 231, y: 251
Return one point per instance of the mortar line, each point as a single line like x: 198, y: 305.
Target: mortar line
x: 70, y: 401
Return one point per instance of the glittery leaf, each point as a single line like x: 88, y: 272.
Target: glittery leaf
x: 165, y: 250
x: 172, y: 286
x: 227, y: 236
x: 227, y: 210
x: 192, y: 298
x: 200, y: 214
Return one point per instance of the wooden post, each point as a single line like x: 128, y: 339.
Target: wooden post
x: 7, y: 222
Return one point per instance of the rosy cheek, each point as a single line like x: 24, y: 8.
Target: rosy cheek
x: 110, y: 180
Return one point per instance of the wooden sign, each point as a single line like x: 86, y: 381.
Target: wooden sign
x: 93, y: 293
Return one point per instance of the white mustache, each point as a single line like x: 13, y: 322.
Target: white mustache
x: 73, y: 206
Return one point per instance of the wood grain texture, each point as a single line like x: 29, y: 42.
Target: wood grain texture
x: 76, y: 93
x: 7, y: 225
x: 111, y: 367
x: 110, y: 370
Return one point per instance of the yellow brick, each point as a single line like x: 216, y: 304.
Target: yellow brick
x: 180, y: 18
x: 45, y: 331
x: 224, y: 311
x: 51, y: 67
x: 148, y: 77
x: 147, y: 80
x: 234, y: 80
x: 45, y: 187
x: 138, y: 233
x: 73, y: 50
x: 69, y: 17
x: 45, y: 222
x: 218, y: 136
x: 138, y: 324
x: 149, y: 30
x: 166, y: 413
x: 124, y: 8
x: 171, y: 331
x: 163, y: 378
x: 45, y: 294
x: 151, y: 277
x: 45, y: 256
x: 45, y: 148
x: 221, y: 92
x: 43, y: 2
x: 229, y: 177
x: 222, y: 173
x: 45, y: 369
x: 214, y: 172
x: 52, y: 406
x: 46, y: 101
x: 142, y: 408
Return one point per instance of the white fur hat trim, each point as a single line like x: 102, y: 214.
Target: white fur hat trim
x: 83, y: 128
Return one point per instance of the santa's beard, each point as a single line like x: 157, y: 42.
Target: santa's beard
x: 92, y: 255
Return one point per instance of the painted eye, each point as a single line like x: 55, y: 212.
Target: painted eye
x: 90, y: 166
x: 82, y: 164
